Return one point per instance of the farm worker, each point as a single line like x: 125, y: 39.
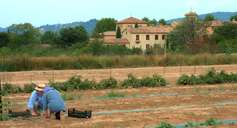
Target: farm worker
x: 52, y: 100
x: 35, y: 103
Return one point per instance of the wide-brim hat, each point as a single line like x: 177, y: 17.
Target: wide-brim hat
x: 40, y: 87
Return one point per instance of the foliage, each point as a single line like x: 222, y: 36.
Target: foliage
x: 28, y: 88
x: 228, y: 30
x: 136, y: 25
x: 233, y: 17
x: 146, y: 20
x: 154, y: 21
x: 191, y: 125
x: 118, y: 33
x: 82, y: 29
x: 4, y: 39
x: 228, y: 46
x: 162, y: 21
x: 47, y: 37
x: 23, y: 34
x: 211, y: 121
x: 209, y: 17
x: 4, y: 117
x: 165, y: 125
x: 105, y: 24
x: 211, y: 77
x: 69, y: 36
x: 109, y: 83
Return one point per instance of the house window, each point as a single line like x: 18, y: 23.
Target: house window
x: 137, y: 37
x: 163, y: 37
x: 156, y: 37
x: 147, y: 37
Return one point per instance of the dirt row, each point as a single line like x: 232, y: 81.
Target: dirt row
x: 139, y: 119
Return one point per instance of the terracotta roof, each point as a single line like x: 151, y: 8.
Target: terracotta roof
x: 109, y: 33
x: 113, y: 41
x: 163, y: 29
x: 191, y: 13
x: 131, y: 20
x: 214, y: 23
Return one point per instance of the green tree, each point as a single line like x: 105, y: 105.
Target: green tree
x: 4, y: 39
x: 97, y: 47
x: 146, y: 20
x: 82, y: 29
x: 118, y: 33
x: 233, y: 17
x: 228, y: 31
x: 154, y: 21
x: 23, y: 34
x: 162, y: 21
x: 69, y: 36
x: 136, y: 25
x: 47, y: 37
x: 187, y: 32
x: 105, y: 24
x: 209, y: 17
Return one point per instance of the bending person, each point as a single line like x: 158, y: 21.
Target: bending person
x: 35, y: 102
x: 52, y: 100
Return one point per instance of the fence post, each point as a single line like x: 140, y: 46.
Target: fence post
x: 164, y: 71
x: 194, y: 69
x: 110, y: 72
x: 180, y: 69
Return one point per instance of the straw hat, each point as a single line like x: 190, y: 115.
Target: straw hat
x: 40, y: 87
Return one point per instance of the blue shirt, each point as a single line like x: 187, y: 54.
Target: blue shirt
x: 35, y: 97
x: 52, y: 100
x: 47, y: 89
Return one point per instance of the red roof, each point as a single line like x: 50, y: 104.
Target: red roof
x: 109, y: 33
x: 214, y: 23
x: 113, y: 41
x: 131, y: 20
x: 191, y: 13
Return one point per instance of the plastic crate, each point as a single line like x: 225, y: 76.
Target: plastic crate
x: 79, y: 114
x: 16, y: 114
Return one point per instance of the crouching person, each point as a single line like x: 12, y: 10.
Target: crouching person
x: 52, y: 100
x: 35, y: 102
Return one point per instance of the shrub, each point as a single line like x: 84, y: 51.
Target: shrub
x: 153, y: 82
x: 131, y: 82
x: 165, y: 125
x: 109, y: 83
x: 28, y: 88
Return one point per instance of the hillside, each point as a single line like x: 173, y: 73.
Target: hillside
x: 90, y: 25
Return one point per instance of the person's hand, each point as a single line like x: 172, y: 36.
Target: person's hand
x: 33, y: 114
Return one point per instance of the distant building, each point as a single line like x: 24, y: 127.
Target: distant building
x: 145, y: 36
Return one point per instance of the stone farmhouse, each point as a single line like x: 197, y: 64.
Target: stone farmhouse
x: 145, y: 36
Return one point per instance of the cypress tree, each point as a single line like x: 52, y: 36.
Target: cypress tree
x: 118, y: 33
x: 136, y: 26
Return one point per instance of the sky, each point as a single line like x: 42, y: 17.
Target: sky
x: 43, y: 12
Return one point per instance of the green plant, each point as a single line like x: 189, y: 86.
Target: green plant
x: 28, y: 88
x: 4, y: 117
x: 191, y: 125
x: 209, y: 89
x: 65, y: 97
x: 233, y: 88
x: 79, y: 96
x: 197, y: 89
x: 165, y: 125
x: 220, y: 87
x: 134, y: 95
x: 211, y: 121
x: 111, y: 94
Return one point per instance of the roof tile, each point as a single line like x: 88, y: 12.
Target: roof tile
x: 131, y: 20
x: 163, y: 29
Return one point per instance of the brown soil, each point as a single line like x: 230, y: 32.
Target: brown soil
x: 144, y: 118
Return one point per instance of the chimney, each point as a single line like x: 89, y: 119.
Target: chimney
x: 219, y: 19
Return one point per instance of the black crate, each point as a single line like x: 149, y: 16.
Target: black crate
x: 79, y: 114
x: 16, y: 114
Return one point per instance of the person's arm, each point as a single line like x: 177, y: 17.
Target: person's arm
x: 46, y: 113
x: 31, y: 103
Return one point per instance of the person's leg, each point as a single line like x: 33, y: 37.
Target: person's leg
x: 35, y: 107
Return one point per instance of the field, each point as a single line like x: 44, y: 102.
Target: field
x: 148, y: 118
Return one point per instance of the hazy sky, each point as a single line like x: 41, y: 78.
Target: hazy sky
x: 42, y: 12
